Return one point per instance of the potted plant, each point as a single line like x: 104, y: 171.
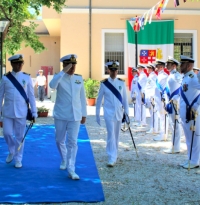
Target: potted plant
x: 91, y: 90
x: 42, y: 111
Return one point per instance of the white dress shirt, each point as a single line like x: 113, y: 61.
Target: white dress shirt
x: 70, y: 99
x: 41, y: 80
x: 14, y: 104
x: 113, y: 108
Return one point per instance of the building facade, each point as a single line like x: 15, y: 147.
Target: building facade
x: 96, y: 31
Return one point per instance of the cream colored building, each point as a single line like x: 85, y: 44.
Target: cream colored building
x: 95, y: 32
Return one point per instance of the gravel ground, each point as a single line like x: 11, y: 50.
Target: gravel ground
x: 153, y: 178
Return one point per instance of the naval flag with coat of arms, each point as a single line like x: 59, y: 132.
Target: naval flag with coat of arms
x: 155, y: 41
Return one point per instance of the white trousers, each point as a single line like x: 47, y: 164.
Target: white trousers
x: 140, y: 111
x: 196, y: 140
x: 164, y: 121
x: 176, y: 131
x: 113, y: 129
x: 154, y: 119
x: 13, y: 131
x: 66, y: 141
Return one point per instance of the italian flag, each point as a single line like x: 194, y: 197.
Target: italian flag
x: 155, y: 41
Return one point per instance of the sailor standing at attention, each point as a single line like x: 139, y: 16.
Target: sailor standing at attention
x: 172, y: 104
x: 150, y: 102
x: 113, y: 90
x: 190, y: 107
x: 69, y: 111
x: 15, y: 107
x: 135, y: 94
x: 142, y: 80
x: 161, y: 85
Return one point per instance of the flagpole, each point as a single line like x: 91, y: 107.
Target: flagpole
x: 136, y: 49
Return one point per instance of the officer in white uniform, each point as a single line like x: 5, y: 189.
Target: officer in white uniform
x: 172, y: 105
x: 196, y: 70
x: 135, y: 94
x: 69, y: 111
x: 150, y: 101
x: 142, y: 80
x: 113, y: 109
x: 190, y: 101
x: 161, y: 85
x: 14, y: 109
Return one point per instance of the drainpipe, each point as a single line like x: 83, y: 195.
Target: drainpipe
x: 90, y: 38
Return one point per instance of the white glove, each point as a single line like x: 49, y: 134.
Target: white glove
x: 98, y: 120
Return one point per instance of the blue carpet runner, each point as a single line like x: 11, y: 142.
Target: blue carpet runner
x: 40, y: 180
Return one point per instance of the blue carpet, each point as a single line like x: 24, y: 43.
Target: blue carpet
x: 40, y: 180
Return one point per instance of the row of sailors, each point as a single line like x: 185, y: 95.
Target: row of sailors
x: 174, y: 99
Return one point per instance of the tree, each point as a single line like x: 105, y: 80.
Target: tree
x: 17, y: 12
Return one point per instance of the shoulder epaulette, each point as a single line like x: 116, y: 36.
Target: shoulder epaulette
x: 191, y: 75
x: 120, y: 79
x: 103, y: 80
x: 26, y: 73
x: 77, y: 74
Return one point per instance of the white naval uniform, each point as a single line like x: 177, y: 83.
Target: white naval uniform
x: 69, y: 108
x: 162, y: 81
x: 135, y: 93
x: 150, y: 92
x: 173, y: 84
x: 191, y: 89
x: 113, y: 114
x: 142, y: 80
x: 14, y: 111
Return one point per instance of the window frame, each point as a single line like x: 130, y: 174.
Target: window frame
x: 194, y: 39
x: 103, y: 51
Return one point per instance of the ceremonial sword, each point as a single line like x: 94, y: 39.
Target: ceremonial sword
x: 29, y: 127
x: 127, y: 120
